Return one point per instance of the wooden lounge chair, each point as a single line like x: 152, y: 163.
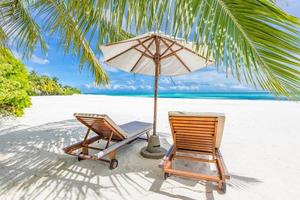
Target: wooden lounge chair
x: 194, y: 135
x: 114, y: 136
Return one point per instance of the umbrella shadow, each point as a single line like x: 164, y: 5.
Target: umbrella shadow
x: 33, y: 165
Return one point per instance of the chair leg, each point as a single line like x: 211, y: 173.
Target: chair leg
x: 222, y: 186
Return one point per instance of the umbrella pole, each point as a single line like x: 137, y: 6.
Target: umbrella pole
x: 153, y: 149
x: 155, y: 98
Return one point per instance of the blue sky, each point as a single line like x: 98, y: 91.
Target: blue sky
x: 65, y: 68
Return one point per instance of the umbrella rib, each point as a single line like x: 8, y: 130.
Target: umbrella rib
x: 132, y: 47
x: 146, y: 48
x: 134, y: 66
x: 182, y: 63
x: 151, y: 57
x: 175, y: 54
x: 169, y: 47
x: 189, y: 50
x: 172, y: 53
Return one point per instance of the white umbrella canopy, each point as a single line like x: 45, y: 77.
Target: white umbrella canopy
x: 136, y: 55
x: 154, y: 54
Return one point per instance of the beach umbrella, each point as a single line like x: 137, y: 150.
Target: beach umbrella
x: 157, y: 55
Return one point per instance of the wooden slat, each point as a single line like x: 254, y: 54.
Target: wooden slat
x: 194, y: 132
x: 212, y: 126
x: 192, y: 129
x: 192, y: 175
x: 195, y: 137
x: 193, y: 122
x: 196, y: 147
x: 192, y: 136
x: 197, y: 152
x: 204, y: 142
x: 193, y: 118
x: 194, y: 159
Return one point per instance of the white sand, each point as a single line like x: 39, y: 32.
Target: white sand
x: 260, y: 147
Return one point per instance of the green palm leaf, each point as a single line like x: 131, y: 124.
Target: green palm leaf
x: 254, y: 39
x: 3, y: 38
x: 19, y: 26
x: 57, y: 20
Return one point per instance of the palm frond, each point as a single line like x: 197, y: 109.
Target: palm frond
x: 3, y: 39
x: 19, y: 26
x: 93, y: 20
x: 57, y: 20
x: 254, y: 39
x: 78, y: 26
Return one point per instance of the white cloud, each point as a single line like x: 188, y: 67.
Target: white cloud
x: 165, y: 80
x: 121, y: 87
x: 29, y: 68
x: 239, y: 87
x: 34, y: 58
x: 89, y: 86
x: 38, y: 60
x: 109, y: 69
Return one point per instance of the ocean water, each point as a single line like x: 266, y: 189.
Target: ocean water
x: 201, y: 95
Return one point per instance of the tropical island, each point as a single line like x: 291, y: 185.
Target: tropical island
x: 17, y: 85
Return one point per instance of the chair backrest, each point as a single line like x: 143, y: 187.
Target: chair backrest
x: 102, y: 125
x: 200, y: 132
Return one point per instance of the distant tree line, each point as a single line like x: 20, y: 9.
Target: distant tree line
x: 17, y: 85
x: 45, y: 85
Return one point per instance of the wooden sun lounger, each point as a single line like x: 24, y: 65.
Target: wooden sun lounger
x: 196, y: 134
x: 108, y: 131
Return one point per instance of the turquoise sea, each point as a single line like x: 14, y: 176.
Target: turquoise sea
x: 200, y: 95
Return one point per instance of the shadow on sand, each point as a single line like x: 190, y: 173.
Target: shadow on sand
x: 33, y: 166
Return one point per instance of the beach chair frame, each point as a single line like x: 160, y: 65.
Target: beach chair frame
x: 211, y: 149
x: 109, y: 150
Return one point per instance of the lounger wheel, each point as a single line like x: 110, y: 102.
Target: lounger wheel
x: 166, y: 175
x: 113, y: 164
x: 222, y: 187
x: 78, y: 157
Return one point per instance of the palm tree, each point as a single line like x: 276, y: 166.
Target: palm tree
x: 255, y: 40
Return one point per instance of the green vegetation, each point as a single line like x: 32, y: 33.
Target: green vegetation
x: 44, y: 85
x: 16, y: 85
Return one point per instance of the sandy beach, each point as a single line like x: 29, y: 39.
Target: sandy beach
x: 260, y: 147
